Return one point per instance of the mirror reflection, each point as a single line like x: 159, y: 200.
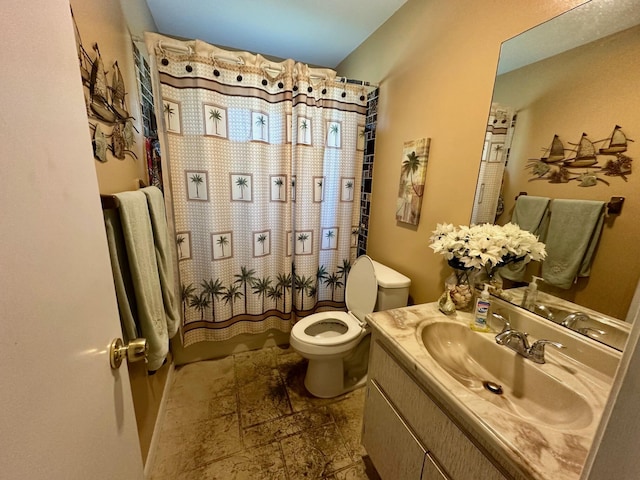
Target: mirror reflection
x: 585, y: 87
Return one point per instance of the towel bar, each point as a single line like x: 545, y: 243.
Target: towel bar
x: 111, y: 202
x: 614, y: 207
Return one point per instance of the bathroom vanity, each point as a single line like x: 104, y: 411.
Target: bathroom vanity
x: 445, y: 402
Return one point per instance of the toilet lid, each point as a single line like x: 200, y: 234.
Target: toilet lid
x: 362, y: 288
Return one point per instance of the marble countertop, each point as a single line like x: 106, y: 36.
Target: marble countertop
x: 529, y: 449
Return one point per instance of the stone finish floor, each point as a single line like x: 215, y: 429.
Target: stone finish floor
x: 249, y: 416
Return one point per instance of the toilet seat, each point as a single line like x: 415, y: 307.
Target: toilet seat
x: 361, y: 293
x: 346, y: 320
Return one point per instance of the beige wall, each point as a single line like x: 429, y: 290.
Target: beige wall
x: 104, y: 23
x: 589, y: 89
x: 436, y: 63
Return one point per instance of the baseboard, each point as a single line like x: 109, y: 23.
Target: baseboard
x: 153, y: 446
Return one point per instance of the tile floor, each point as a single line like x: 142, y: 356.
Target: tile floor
x: 248, y: 416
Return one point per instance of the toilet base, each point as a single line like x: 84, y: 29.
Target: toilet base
x: 328, y: 378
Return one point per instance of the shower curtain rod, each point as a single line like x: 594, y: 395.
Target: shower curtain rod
x: 364, y: 83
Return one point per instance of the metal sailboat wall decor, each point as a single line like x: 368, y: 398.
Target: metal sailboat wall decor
x: 617, y: 142
x: 555, y: 152
x: 585, y: 154
x: 554, y: 166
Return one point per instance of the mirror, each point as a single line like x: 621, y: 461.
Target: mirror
x: 575, y: 73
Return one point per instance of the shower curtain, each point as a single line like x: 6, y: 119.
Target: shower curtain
x: 487, y: 205
x: 265, y: 165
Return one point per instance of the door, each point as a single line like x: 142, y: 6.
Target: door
x: 64, y: 414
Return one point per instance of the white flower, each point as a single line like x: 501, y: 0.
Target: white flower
x: 485, y: 246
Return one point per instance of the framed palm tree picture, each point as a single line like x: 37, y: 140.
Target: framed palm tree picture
x: 329, y: 239
x: 347, y: 188
x: 334, y: 132
x: 221, y: 245
x: 278, y: 188
x: 355, y: 233
x: 304, y: 131
x: 259, y: 127
x: 183, y: 242
x: 197, y: 182
x: 318, y: 189
x: 413, y: 174
x: 241, y: 187
x: 215, y: 120
x: 261, y: 243
x: 304, y: 242
x: 360, y: 138
x: 171, y: 113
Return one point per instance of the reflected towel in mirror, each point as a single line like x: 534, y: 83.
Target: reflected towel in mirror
x: 530, y: 213
x: 574, y: 231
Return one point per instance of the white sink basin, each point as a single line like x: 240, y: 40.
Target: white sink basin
x: 502, y: 377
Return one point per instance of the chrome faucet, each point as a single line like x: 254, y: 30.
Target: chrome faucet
x: 519, y: 342
x: 571, y: 319
x: 543, y: 310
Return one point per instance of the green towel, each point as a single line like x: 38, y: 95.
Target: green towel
x: 138, y: 237
x: 574, y: 231
x: 121, y: 276
x: 165, y: 257
x: 531, y: 214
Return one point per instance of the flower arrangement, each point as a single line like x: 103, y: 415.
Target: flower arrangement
x: 485, y: 246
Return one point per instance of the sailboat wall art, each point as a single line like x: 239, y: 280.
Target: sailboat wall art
x: 413, y: 174
x: 106, y: 104
x: 583, y: 162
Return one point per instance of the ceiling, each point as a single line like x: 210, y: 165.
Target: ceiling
x: 586, y: 23
x: 317, y: 33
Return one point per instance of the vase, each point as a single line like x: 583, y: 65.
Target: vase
x: 460, y: 287
x: 491, y: 278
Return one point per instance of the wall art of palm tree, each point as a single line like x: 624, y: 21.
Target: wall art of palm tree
x: 413, y: 174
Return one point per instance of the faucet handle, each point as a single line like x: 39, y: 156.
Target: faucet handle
x: 536, y: 352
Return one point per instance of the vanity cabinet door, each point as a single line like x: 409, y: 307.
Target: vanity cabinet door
x: 457, y: 454
x: 393, y: 449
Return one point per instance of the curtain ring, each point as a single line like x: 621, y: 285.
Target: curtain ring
x: 164, y: 60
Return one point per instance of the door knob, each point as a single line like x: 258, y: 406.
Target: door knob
x: 134, y: 351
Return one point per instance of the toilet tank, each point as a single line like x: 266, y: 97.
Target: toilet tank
x: 393, y: 288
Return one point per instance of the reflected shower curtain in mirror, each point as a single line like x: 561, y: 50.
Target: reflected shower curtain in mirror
x: 265, y: 164
x: 495, y: 153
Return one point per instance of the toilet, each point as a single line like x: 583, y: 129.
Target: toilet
x: 336, y: 343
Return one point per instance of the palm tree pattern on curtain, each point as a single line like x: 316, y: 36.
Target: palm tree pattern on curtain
x: 272, y: 242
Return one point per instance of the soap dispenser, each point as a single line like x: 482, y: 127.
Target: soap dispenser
x: 531, y: 294
x: 483, y: 304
